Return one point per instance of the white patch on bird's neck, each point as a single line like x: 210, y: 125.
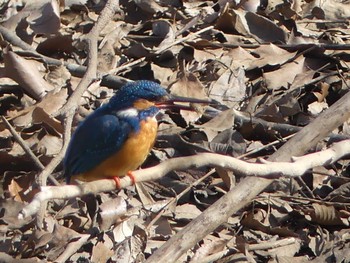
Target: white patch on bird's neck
x: 130, y: 112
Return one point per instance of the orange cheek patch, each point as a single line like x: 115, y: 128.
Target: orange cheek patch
x: 142, y: 104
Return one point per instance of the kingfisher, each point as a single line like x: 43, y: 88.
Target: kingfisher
x: 116, y: 138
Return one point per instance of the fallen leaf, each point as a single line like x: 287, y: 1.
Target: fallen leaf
x: 26, y: 74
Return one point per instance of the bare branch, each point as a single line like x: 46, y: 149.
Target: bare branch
x: 68, y: 110
x: 291, y: 169
x: 244, y: 192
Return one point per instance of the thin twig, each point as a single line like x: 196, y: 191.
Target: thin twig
x: 58, y: 158
x: 273, y: 244
x: 23, y: 144
x: 68, y: 110
x: 126, y: 65
x: 265, y: 146
x: 284, y: 46
x: 321, y: 21
x: 183, y: 39
x: 26, y: 149
x: 174, y: 199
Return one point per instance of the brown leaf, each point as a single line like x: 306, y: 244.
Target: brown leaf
x: 324, y: 215
x: 229, y: 21
x: 270, y: 55
x: 42, y: 111
x: 187, y: 211
x: 106, y: 58
x: 9, y: 215
x: 241, y: 57
x: 144, y: 195
x: 124, y: 230
x: 59, y: 240
x: 221, y: 122
x: 15, y: 190
x: 149, y: 6
x: 44, y: 16
x: 162, y: 227
x: 26, y: 74
x: 230, y: 88
x: 163, y: 29
x: 103, y: 250
x: 49, y: 145
x: 331, y: 10
x: 227, y: 177
x: 263, y: 29
x: 111, y: 212
x: 316, y: 108
x: 210, y: 245
x: 284, y: 76
x: 189, y: 86
x: 58, y: 76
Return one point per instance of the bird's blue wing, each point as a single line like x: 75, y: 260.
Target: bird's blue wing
x: 96, y: 139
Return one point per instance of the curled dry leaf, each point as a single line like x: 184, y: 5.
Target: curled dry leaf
x: 210, y: 245
x: 42, y: 111
x: 37, y: 17
x: 58, y: 77
x: 330, y: 10
x: 325, y: 215
x: 316, y: 108
x: 49, y: 145
x: 123, y: 230
x: 26, y: 74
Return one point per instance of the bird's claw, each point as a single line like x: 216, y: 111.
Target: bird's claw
x: 116, y: 179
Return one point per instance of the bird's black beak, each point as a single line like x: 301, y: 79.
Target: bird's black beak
x: 169, y: 102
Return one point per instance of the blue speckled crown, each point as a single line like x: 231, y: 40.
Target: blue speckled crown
x: 130, y: 92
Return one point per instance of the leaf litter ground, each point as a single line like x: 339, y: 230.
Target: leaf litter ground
x: 272, y: 67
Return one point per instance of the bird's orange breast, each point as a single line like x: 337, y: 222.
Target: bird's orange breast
x: 131, y: 155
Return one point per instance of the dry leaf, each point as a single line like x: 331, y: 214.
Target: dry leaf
x: 223, y: 121
x: 26, y: 74
x: 273, y: 61
x: 189, y: 86
x: 15, y: 190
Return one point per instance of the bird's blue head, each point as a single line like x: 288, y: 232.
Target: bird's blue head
x: 148, y: 95
x: 139, y: 94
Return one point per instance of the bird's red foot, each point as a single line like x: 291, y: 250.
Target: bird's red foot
x: 117, y: 179
x: 132, y: 177
x: 117, y: 182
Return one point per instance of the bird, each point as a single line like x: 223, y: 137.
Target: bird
x: 117, y: 137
